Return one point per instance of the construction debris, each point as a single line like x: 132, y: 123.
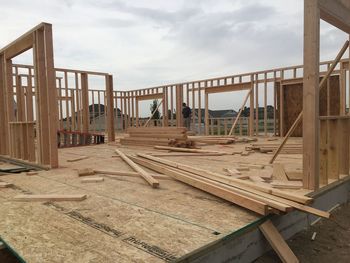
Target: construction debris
x: 147, y: 176
x: 169, y: 136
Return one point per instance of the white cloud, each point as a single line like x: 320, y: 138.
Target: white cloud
x: 152, y: 42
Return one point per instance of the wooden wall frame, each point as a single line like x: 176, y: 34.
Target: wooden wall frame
x: 337, y: 13
x: 40, y: 39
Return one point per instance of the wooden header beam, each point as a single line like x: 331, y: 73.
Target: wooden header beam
x: 153, y: 96
x: 229, y: 88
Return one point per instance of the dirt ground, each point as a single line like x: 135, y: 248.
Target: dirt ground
x: 332, y: 242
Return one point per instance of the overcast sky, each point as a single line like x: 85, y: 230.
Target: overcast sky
x: 152, y: 42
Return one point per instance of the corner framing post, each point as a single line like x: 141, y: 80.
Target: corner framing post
x: 46, y: 96
x: 311, y: 131
x: 110, y: 108
x: 4, y: 135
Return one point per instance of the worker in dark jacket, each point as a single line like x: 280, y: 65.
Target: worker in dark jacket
x: 186, y: 114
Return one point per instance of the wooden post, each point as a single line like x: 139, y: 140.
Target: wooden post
x: 311, y: 131
x: 265, y: 104
x: 206, y: 113
x: 46, y: 97
x: 323, y: 152
x: 179, y: 100
x: 251, y: 110
x: 199, y: 108
x: 4, y: 131
x: 85, y: 101
x: 342, y: 80
x: 257, y: 105
x: 29, y: 97
x: 110, y: 108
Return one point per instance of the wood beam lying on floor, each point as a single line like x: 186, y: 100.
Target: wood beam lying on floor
x: 132, y: 174
x: 149, y: 179
x: 92, y: 180
x: 249, y: 188
x: 195, y: 181
x: 51, y: 197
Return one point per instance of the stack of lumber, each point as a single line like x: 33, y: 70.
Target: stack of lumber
x: 257, y: 198
x: 164, y: 136
x: 289, y: 148
x: 214, y: 139
x: 196, y: 151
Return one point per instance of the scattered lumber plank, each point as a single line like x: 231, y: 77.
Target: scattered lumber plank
x: 236, y: 174
x: 178, y: 149
x: 92, y: 180
x: 245, y: 153
x: 294, y: 176
x: 252, y: 166
x: 196, y: 182
x: 78, y: 159
x: 295, y: 148
x: 279, y: 172
x: 86, y: 172
x: 201, y: 172
x: 277, y: 242
x: 232, y: 171
x: 256, y: 178
x: 50, y: 197
x: 212, y: 140
x: 5, y: 185
x: 187, y: 154
x: 273, y: 194
x: 165, y: 136
x: 149, y: 179
x: 133, y: 174
x: 286, y: 184
x: 32, y: 173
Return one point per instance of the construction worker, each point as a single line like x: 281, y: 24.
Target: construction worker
x: 186, y: 114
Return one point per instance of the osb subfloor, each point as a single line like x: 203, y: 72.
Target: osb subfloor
x: 123, y: 219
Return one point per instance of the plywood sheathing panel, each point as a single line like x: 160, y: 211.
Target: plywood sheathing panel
x: 293, y: 103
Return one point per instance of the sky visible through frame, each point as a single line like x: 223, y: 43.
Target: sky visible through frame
x: 146, y: 43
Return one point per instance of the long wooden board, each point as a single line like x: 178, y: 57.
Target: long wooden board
x: 277, y: 242
x: 51, y: 197
x: 149, y: 179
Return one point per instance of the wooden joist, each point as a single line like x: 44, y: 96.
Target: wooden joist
x: 277, y: 242
x: 50, y: 197
x: 145, y: 175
